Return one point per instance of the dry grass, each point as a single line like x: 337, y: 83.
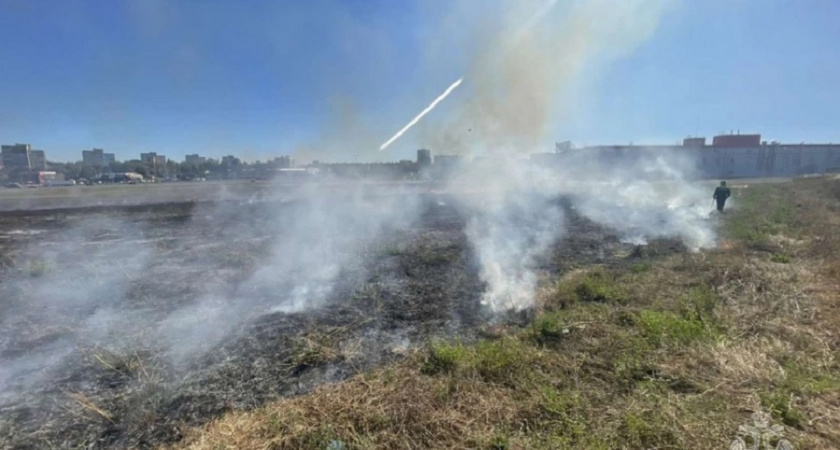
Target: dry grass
x: 87, y: 406
x: 395, y: 408
x: 674, y: 352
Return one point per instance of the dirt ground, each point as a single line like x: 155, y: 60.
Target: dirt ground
x: 87, y: 293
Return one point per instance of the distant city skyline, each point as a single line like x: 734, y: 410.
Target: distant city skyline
x: 729, y: 139
x: 333, y: 79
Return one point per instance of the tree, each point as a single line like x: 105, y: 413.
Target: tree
x: 137, y: 166
x: 88, y: 172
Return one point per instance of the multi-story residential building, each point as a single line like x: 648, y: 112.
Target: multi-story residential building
x: 424, y: 158
x: 152, y: 158
x: 97, y: 158
x: 21, y: 157
x: 283, y: 162
x: 195, y: 159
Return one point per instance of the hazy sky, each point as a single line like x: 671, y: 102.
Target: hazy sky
x: 264, y: 78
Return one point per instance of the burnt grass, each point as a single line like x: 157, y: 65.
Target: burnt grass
x: 121, y: 388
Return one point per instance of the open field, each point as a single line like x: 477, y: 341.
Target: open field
x: 121, y: 326
x: 170, y: 330
x: 111, y: 195
x: 663, y: 351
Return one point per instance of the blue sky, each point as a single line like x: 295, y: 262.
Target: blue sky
x: 264, y: 78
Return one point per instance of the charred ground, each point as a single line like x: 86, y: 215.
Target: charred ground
x: 127, y: 386
x: 723, y: 348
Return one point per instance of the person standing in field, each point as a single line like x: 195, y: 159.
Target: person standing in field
x: 721, y: 194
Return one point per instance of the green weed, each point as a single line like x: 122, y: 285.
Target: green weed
x: 444, y: 358
x: 322, y: 437
x: 600, y: 286
x: 429, y: 257
x: 662, y: 327
x: 499, y: 361
x: 630, y: 360
x: 762, y: 211
x: 499, y: 441
x: 503, y: 360
x: 804, y: 379
x: 562, y: 412
x: 646, y: 430
x: 701, y: 302
x: 779, y: 404
x: 548, y: 328
x: 780, y: 258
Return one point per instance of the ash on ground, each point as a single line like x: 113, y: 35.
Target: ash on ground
x: 120, y: 326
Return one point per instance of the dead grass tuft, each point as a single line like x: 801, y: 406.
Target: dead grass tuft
x: 320, y: 346
x: 86, y: 405
x: 393, y: 408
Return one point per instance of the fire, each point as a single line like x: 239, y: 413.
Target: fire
x: 726, y: 245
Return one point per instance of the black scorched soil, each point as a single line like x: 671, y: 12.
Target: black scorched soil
x: 87, y: 358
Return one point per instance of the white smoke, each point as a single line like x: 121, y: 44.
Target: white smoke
x: 326, y: 235
x: 651, y: 198
x: 316, y: 239
x: 519, y: 78
x: 104, y: 282
x: 514, y: 221
x: 517, y: 215
x: 69, y: 292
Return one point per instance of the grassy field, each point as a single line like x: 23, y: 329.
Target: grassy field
x: 672, y: 351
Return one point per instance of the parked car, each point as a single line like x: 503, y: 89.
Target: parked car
x: 13, y: 185
x: 51, y: 183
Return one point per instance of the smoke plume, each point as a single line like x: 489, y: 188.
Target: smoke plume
x: 524, y: 62
x: 524, y: 58
x: 519, y: 69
